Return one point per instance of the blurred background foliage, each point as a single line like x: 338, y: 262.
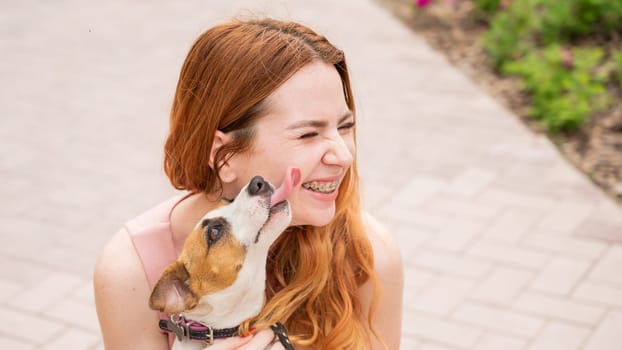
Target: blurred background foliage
x: 566, y: 52
x: 559, y: 50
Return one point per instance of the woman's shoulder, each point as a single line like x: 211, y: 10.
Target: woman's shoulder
x: 387, y: 255
x: 118, y: 277
x: 390, y: 276
x: 118, y: 264
x: 141, y: 248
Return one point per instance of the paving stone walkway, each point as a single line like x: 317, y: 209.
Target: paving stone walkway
x: 506, y: 245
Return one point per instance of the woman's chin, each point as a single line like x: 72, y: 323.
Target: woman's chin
x: 313, y: 217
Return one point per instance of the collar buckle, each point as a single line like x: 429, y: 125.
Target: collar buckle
x: 210, y: 335
x: 185, y: 329
x: 178, y: 325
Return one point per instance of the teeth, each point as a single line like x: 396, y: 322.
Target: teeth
x: 323, y: 187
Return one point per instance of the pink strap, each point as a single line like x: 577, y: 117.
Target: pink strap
x: 155, y: 249
x: 152, y: 237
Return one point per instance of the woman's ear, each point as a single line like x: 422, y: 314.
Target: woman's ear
x: 226, y: 173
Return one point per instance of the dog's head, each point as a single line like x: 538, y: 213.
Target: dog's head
x: 215, y: 251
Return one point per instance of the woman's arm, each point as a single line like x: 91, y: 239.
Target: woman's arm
x: 387, y: 321
x: 121, y: 298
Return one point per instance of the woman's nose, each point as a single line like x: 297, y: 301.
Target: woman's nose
x: 338, y: 153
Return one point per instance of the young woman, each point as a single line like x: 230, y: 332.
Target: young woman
x: 254, y: 98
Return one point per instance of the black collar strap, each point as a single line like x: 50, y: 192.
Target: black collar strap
x: 187, y: 329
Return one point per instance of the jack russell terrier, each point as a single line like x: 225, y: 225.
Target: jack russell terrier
x: 219, y: 279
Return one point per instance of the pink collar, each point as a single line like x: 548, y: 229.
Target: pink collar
x: 192, y: 330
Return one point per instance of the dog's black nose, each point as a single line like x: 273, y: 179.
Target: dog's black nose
x: 258, y: 186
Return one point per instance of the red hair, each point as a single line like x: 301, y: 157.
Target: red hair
x: 314, y: 273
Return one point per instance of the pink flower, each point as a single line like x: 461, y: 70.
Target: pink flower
x: 422, y: 3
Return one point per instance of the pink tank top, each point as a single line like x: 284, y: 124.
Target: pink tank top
x: 152, y: 237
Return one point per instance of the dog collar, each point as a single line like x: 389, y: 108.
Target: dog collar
x: 191, y: 330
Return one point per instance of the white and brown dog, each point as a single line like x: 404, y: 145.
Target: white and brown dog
x: 219, y: 279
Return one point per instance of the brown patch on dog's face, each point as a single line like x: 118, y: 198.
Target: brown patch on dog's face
x: 212, y: 256
x: 210, y: 262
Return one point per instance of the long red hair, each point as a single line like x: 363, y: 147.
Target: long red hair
x: 314, y: 273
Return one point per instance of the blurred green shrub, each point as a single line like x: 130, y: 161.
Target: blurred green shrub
x: 488, y: 6
x: 530, y: 23
x: 510, y: 35
x: 534, y: 40
x: 566, y: 86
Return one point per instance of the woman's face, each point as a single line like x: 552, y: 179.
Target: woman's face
x: 308, y: 125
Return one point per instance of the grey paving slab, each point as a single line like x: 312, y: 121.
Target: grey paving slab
x: 493, y: 222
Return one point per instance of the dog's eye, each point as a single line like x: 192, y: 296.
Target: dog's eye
x: 204, y: 223
x: 213, y: 233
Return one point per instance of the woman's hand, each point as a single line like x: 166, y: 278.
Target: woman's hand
x: 262, y: 340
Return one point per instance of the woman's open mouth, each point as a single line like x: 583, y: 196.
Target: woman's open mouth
x: 322, y: 187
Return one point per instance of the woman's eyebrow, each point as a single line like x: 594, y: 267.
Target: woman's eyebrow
x: 318, y: 123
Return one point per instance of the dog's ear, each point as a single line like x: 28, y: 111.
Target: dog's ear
x: 171, y: 294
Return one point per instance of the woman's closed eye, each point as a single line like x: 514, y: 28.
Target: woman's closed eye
x: 347, y: 126
x: 309, y: 135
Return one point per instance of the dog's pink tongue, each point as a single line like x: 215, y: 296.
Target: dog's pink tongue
x: 291, y: 180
